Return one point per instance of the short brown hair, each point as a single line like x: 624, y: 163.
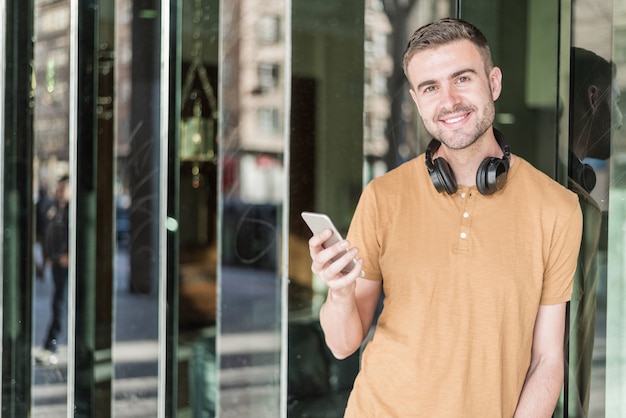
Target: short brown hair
x: 589, y: 68
x: 445, y: 31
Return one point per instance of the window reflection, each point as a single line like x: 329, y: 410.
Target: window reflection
x: 615, y: 254
x: 51, y: 68
x: 252, y: 149
x: 134, y: 349
x: 197, y: 218
x: 592, y: 101
x: 595, y: 125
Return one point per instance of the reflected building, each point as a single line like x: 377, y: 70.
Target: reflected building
x: 378, y: 68
x: 51, y: 87
x: 51, y: 127
x: 262, y: 88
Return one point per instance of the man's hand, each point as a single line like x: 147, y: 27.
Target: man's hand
x: 63, y: 260
x: 340, y: 284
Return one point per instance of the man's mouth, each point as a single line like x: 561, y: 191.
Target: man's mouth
x: 456, y: 119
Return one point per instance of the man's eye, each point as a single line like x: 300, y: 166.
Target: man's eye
x: 429, y: 89
x: 463, y: 79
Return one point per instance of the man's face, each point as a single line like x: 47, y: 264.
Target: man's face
x: 605, y: 118
x: 63, y: 193
x: 453, y: 92
x: 616, y: 113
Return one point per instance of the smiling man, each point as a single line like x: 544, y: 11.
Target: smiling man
x: 473, y: 249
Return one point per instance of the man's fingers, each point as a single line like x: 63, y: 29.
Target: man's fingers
x: 316, y: 242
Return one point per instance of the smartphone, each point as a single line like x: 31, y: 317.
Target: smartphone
x: 317, y: 222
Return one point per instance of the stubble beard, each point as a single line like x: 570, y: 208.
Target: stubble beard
x: 463, y: 137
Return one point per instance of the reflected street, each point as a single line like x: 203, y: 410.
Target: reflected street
x: 134, y: 352
x: 249, y: 333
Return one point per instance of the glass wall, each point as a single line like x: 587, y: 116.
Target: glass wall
x: 95, y: 314
x: 176, y: 281
x: 598, y: 384
x: 254, y: 89
x: 50, y: 164
x: 16, y: 205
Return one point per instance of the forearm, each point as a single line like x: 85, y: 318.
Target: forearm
x: 342, y: 325
x: 541, y: 389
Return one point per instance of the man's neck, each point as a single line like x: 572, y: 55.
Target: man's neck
x: 465, y: 162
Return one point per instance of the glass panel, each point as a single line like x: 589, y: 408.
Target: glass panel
x: 16, y: 203
x: 51, y: 164
x: 197, y: 389
x: 352, y: 119
x: 126, y: 190
x: 252, y: 182
x: 76, y: 157
x: 137, y: 197
x: 527, y: 109
x: 616, y: 252
x: 326, y: 163
x: 611, y: 294
x: 91, y: 235
x: 596, y: 377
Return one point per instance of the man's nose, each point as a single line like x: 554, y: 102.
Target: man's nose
x: 450, y: 98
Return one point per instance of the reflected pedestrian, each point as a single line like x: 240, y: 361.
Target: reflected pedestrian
x: 56, y: 248
x: 42, y: 206
x: 595, y: 115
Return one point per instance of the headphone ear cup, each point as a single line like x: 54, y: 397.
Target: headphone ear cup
x: 491, y: 175
x: 582, y: 173
x: 443, y: 177
x: 588, y: 178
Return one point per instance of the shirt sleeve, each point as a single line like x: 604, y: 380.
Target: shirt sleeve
x: 563, y: 256
x: 363, y: 233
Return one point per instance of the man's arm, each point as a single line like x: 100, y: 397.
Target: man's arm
x: 545, y: 374
x: 347, y: 313
x: 346, y: 320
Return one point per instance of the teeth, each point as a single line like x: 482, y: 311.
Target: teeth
x: 455, y: 120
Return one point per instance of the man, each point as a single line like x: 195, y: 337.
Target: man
x: 473, y: 248
x: 595, y: 114
x: 595, y: 110
x: 56, y: 245
x: 42, y: 206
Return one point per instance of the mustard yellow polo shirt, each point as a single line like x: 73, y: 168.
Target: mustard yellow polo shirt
x: 463, y: 277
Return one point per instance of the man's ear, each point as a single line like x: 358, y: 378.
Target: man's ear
x: 495, y: 82
x: 593, y: 96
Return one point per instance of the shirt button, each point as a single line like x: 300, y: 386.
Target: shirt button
x: 463, y: 235
x: 466, y: 215
x: 463, y: 195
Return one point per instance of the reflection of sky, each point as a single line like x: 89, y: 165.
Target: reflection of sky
x: 596, y: 164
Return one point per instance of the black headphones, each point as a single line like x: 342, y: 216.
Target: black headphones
x: 581, y: 173
x: 490, y: 177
